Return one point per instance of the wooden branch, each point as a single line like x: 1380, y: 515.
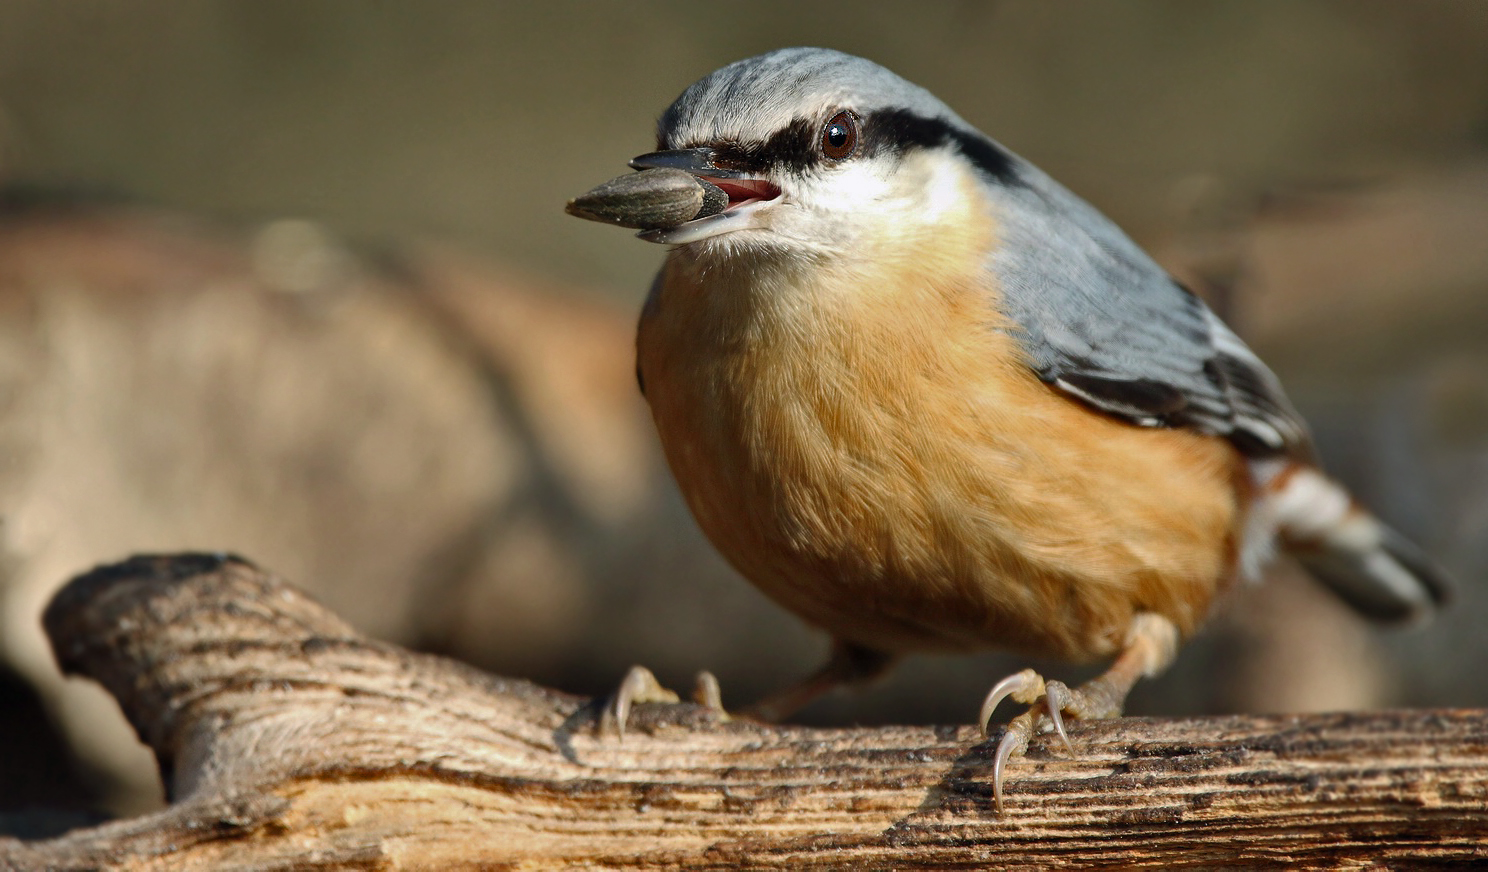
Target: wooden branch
x: 289, y: 741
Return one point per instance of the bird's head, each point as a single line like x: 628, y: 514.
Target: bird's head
x: 817, y: 151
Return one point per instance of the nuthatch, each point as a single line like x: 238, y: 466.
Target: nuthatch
x: 928, y: 399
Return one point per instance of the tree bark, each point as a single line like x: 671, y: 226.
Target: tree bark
x: 287, y: 740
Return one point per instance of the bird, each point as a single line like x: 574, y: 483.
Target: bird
x: 929, y: 400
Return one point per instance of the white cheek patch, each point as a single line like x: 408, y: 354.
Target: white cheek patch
x: 939, y: 185
x: 849, y: 188
x: 880, y: 199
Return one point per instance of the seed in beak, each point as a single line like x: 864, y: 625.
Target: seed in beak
x: 650, y: 200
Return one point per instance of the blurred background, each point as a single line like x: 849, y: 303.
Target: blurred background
x: 292, y: 278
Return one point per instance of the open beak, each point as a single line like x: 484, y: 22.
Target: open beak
x: 678, y: 196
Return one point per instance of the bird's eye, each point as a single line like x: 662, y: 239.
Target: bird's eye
x: 839, y: 138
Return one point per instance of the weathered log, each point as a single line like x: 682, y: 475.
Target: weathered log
x: 287, y: 740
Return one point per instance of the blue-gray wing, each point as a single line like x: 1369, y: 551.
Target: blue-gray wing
x: 1100, y: 320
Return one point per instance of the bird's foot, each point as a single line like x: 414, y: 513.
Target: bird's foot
x: 1150, y: 644
x: 640, y: 686
x: 1049, y: 703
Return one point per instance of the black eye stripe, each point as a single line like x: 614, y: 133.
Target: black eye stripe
x: 794, y: 147
x: 901, y: 130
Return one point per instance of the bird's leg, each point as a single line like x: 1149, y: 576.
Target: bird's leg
x: 848, y: 664
x: 640, y: 686
x: 1150, y: 645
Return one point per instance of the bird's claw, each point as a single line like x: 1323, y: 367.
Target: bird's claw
x: 1047, y: 701
x: 1058, y: 698
x: 1026, y: 687
x: 706, y: 693
x: 640, y: 686
x: 1014, y: 742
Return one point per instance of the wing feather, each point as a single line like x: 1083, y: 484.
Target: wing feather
x: 1101, y: 321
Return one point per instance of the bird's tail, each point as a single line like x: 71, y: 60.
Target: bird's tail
x: 1372, y: 567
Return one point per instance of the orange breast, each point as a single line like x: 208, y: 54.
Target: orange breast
x: 869, y: 448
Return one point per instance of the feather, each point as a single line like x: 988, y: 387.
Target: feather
x: 1101, y: 321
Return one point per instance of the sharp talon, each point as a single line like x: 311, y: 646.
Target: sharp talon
x: 1056, y: 696
x: 638, y: 686
x: 1025, y: 687
x: 1148, y: 649
x: 631, y: 686
x: 1014, y: 741
x: 707, y: 693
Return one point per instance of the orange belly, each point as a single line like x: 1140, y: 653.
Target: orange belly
x: 877, y: 457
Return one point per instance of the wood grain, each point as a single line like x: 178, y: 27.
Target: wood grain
x: 287, y: 740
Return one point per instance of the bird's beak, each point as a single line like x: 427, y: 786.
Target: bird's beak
x: 679, y: 196
x: 698, y: 161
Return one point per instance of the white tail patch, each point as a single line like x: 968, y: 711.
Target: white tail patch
x: 1258, y: 543
x: 1315, y: 520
